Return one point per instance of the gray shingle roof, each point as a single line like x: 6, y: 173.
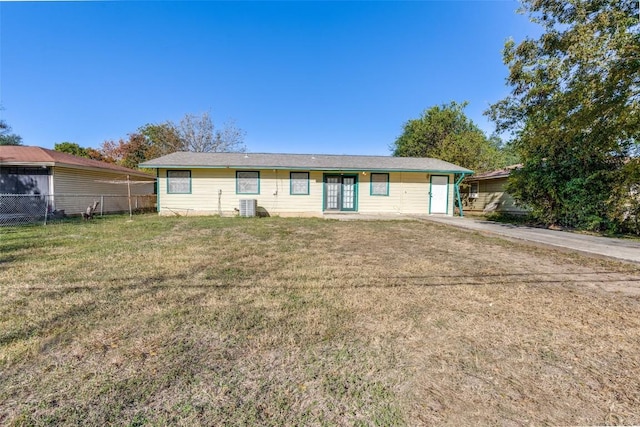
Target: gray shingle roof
x: 323, y: 162
x: 500, y: 173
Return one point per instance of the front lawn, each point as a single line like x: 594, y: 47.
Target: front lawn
x: 247, y: 321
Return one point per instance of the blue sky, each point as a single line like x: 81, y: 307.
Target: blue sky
x: 299, y: 77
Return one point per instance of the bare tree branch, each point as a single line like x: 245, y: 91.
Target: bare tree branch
x: 199, y: 134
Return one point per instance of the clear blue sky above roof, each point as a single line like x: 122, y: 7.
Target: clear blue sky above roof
x: 325, y: 77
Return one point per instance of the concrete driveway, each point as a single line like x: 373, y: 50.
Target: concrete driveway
x: 623, y: 249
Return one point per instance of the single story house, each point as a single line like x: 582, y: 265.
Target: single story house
x: 486, y: 192
x: 304, y: 184
x: 70, y: 183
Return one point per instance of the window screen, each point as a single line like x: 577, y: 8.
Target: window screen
x: 248, y: 182
x: 299, y: 182
x: 179, y: 182
x: 379, y: 184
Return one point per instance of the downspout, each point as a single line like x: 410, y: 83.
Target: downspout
x: 457, y: 190
x: 157, y: 189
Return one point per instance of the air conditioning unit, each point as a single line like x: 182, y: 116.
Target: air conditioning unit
x: 248, y: 207
x: 473, y: 195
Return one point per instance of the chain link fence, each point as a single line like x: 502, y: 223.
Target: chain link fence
x: 20, y: 209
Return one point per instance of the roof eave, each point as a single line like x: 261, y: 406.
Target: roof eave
x: 72, y: 166
x: 105, y: 170
x: 485, y: 178
x: 307, y: 168
x: 22, y: 163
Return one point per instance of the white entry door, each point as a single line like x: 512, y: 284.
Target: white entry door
x: 439, y: 194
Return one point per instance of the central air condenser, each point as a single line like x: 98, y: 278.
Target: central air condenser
x: 248, y: 207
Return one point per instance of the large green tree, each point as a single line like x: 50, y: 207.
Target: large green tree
x: 70, y: 148
x: 6, y: 137
x: 573, y: 110
x: 446, y: 133
x: 163, y: 138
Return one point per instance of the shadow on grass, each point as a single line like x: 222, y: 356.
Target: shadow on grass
x: 8, y: 259
x: 156, y: 283
x: 31, y: 329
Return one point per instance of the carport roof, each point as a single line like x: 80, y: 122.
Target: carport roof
x: 325, y: 162
x: 20, y: 155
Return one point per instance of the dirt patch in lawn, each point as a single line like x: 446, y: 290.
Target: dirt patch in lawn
x: 210, y: 321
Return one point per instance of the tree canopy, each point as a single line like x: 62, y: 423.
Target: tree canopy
x: 6, y: 137
x: 573, y: 110
x: 70, y: 148
x: 446, y: 133
x: 199, y: 134
x: 193, y: 133
x: 77, y: 150
x: 127, y: 152
x: 163, y: 138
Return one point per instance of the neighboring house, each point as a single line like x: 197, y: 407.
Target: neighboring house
x: 303, y: 184
x: 68, y: 182
x: 486, y: 192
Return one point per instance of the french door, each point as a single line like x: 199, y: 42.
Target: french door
x: 340, y: 192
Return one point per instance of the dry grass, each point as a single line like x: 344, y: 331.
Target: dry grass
x: 210, y: 321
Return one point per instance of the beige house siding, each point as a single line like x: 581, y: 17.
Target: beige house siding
x: 213, y: 191
x: 492, y: 197
x: 75, y: 189
x: 408, y: 193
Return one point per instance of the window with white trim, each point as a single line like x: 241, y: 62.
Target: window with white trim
x: 178, y: 182
x: 299, y: 183
x: 247, y: 182
x: 379, y: 184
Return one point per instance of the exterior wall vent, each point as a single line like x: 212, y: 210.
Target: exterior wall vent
x: 248, y: 207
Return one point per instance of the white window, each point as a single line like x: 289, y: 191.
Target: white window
x: 379, y: 184
x: 299, y: 183
x: 247, y: 182
x: 179, y: 182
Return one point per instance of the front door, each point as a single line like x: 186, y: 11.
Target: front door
x: 439, y: 194
x: 340, y: 192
